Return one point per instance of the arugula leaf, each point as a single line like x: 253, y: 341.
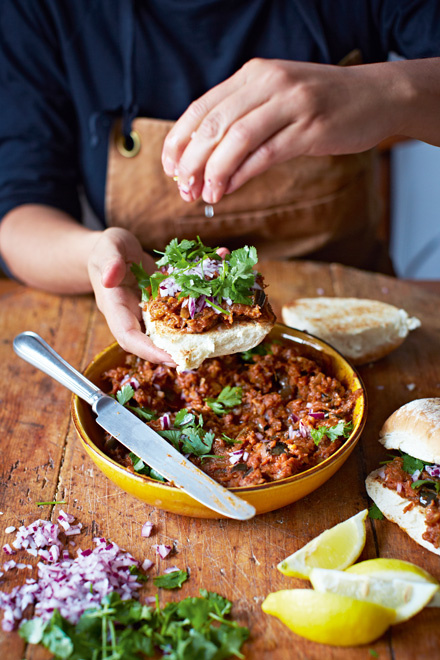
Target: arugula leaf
x: 341, y: 429
x: 125, y: 394
x: 173, y: 580
x: 228, y: 398
x: 375, y: 513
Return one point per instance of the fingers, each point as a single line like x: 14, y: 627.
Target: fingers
x: 117, y: 294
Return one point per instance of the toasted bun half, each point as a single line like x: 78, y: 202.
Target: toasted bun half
x: 190, y: 350
x: 362, y: 330
x: 392, y: 506
x: 415, y: 429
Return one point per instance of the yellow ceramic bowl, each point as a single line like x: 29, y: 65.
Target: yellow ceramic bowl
x: 266, y: 497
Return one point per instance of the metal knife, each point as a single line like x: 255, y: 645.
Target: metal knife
x: 134, y: 434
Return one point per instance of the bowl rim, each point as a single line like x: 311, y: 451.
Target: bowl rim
x: 347, y: 446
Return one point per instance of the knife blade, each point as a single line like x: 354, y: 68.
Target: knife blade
x: 133, y: 433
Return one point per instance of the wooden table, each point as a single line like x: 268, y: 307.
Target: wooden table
x: 42, y: 459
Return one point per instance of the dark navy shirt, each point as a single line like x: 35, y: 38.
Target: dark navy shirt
x: 68, y: 67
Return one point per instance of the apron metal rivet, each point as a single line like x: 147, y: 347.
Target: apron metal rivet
x: 122, y: 147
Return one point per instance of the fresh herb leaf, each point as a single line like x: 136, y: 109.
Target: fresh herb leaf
x: 53, y: 502
x: 375, y: 513
x: 184, y: 630
x: 143, y: 279
x: 341, y: 429
x: 229, y: 440
x: 142, y: 468
x: 228, y: 398
x: 188, y: 435
x: 143, y: 413
x: 411, y: 464
x: 373, y: 653
x: 134, y: 570
x: 125, y: 394
x: 426, y: 482
x: 173, y: 580
x: 261, y: 349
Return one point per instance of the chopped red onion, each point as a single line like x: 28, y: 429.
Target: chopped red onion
x: 293, y: 417
x: 171, y: 569
x: 147, y: 528
x: 292, y: 433
x: 165, y: 422
x: 147, y: 564
x: 399, y: 487
x: 245, y: 456
x: 150, y: 600
x: 416, y: 474
x: 317, y: 415
x: 303, y: 430
x: 236, y: 456
x: 169, y: 287
x: 130, y: 380
x: 433, y: 470
x: 10, y: 529
x: 7, y: 548
x: 162, y: 550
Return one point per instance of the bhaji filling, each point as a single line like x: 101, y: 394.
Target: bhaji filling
x: 419, y: 483
x: 244, y: 419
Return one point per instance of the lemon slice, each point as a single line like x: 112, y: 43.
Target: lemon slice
x: 406, y: 597
x: 390, y: 569
x: 329, y: 618
x: 337, y: 547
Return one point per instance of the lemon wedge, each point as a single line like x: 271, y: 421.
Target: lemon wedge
x: 337, y: 547
x: 391, y: 569
x: 405, y: 597
x: 329, y: 618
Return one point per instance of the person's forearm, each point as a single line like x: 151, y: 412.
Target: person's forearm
x: 414, y: 86
x: 45, y: 248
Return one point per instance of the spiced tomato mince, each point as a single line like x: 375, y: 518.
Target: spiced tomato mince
x: 245, y: 419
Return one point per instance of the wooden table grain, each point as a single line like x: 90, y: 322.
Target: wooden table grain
x: 42, y: 460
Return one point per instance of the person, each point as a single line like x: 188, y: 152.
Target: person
x: 266, y: 109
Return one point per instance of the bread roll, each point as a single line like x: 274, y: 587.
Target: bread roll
x: 392, y: 506
x: 362, y: 330
x: 414, y: 429
x: 190, y: 350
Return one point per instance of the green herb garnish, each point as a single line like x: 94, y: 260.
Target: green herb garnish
x: 125, y: 394
x: 173, y: 580
x: 234, y: 280
x: 188, y: 434
x: 52, y: 502
x: 228, y: 398
x: 411, y: 464
x: 261, y: 349
x: 426, y: 482
x: 341, y: 429
x: 375, y: 513
x: 229, y: 440
x: 191, y: 628
x: 142, y: 468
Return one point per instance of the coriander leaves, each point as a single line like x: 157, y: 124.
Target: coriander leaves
x: 193, y: 270
x: 341, y: 429
x: 188, y: 434
x: 195, y: 627
x: 228, y: 398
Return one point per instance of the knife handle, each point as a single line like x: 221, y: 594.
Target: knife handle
x: 32, y: 348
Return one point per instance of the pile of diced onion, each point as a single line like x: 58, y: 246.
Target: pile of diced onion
x: 70, y: 585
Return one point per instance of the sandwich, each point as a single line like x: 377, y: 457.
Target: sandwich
x: 198, y: 305
x: 406, y: 488
x: 362, y: 330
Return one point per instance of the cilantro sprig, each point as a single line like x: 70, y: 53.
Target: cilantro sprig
x: 173, y: 580
x: 195, y: 627
x: 234, y: 280
x: 341, y: 429
x: 188, y: 435
x: 228, y: 398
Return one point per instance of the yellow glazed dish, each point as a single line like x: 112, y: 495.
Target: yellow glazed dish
x: 264, y: 497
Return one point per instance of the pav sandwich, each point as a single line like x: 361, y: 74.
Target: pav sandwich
x: 407, y: 488
x: 363, y: 330
x: 198, y: 305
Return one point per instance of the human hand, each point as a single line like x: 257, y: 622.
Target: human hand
x: 117, y: 293
x: 273, y: 110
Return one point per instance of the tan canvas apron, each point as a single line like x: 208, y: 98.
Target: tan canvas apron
x: 320, y: 206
